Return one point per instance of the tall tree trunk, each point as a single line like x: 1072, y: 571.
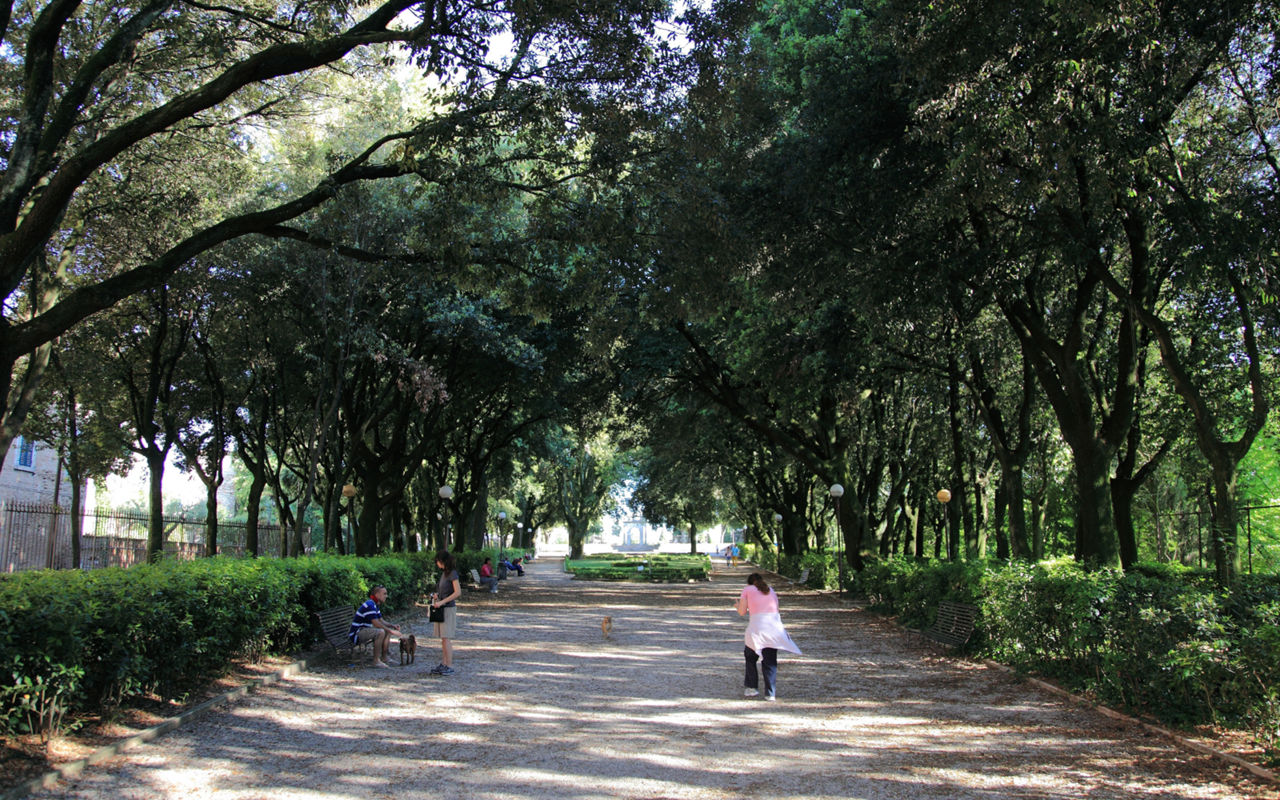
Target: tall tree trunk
x: 257, y: 486
x: 576, y: 537
x: 1162, y: 541
x: 1003, y: 549
x: 211, y: 519
x: 77, y: 519
x: 921, y: 521
x: 367, y: 524
x: 155, y: 509
x: 1096, y: 542
x: 1015, y: 487
x: 1225, y: 523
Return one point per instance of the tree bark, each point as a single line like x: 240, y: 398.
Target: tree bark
x: 211, y: 519
x: 155, y: 521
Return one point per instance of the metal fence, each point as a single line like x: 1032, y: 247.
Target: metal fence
x: 1190, y: 538
x: 39, y: 537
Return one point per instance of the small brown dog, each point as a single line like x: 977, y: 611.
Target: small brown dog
x: 606, y: 626
x: 408, y: 649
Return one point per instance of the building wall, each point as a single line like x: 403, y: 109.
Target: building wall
x: 30, y: 474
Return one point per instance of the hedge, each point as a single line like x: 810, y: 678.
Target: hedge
x: 1158, y: 640
x: 822, y: 566
x: 658, y: 568
x: 78, y: 640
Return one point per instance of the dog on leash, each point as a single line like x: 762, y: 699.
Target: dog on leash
x: 408, y: 649
x: 606, y: 626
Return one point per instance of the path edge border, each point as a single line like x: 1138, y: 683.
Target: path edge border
x: 1182, y: 741
x: 73, y: 769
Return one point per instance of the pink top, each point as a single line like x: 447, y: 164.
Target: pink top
x: 758, y: 602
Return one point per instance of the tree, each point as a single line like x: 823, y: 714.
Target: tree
x: 80, y: 420
x: 586, y: 467
x: 149, y: 344
x: 98, y: 85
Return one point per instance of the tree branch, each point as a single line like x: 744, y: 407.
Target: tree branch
x: 16, y: 248
x: 81, y: 303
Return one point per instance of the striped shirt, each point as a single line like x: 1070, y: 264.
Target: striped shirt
x: 365, y: 615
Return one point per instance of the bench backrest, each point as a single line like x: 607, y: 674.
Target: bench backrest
x: 336, y: 621
x: 475, y: 576
x: 956, y: 618
x: 804, y: 576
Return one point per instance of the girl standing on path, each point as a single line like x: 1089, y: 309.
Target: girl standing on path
x: 765, y: 635
x: 445, y: 596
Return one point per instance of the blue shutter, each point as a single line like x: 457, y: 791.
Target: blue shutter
x: 26, y: 453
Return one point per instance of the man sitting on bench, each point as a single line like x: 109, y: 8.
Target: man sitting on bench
x: 368, y: 626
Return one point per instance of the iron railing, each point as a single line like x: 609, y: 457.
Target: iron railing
x: 38, y: 536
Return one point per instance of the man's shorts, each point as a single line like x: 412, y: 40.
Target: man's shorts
x: 366, y: 634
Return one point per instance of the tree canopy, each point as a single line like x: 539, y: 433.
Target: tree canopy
x: 739, y: 253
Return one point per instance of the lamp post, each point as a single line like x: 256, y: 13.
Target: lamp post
x: 349, y: 492
x: 520, y: 534
x: 953, y: 550
x: 777, y: 522
x: 446, y: 494
x: 837, y: 491
x: 502, y: 536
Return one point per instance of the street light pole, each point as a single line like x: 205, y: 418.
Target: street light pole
x: 837, y: 491
x: 446, y: 494
x: 953, y: 547
x: 777, y: 521
x: 502, y: 535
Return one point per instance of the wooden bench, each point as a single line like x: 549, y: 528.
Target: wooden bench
x: 335, y: 623
x: 954, y: 624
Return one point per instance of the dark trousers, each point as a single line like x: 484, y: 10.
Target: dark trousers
x: 751, y: 681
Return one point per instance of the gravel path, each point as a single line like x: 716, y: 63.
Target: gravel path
x: 543, y: 706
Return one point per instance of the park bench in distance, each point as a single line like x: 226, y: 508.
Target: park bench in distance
x: 335, y: 623
x: 474, y: 585
x: 954, y: 624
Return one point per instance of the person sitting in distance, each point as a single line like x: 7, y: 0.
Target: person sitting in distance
x: 513, y: 566
x: 487, y: 577
x: 368, y: 626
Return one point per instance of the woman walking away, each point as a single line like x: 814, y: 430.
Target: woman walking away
x: 765, y: 635
x: 445, y: 596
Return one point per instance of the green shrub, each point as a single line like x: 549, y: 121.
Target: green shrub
x: 1163, y: 640
x: 1046, y: 616
x: 765, y: 558
x: 658, y: 568
x: 103, y: 636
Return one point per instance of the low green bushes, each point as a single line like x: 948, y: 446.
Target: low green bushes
x: 658, y: 568
x: 1162, y: 641
x: 75, y: 640
x: 823, y: 571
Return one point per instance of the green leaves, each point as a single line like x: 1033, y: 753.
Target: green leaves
x: 1168, y: 644
x: 116, y: 633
